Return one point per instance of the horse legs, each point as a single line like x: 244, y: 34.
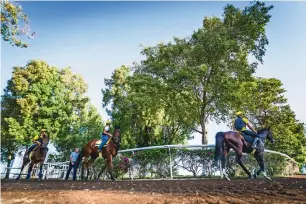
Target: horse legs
x: 40, y: 174
x: 110, y: 167
x: 223, y: 162
x: 84, y: 163
x: 260, y: 159
x: 24, y: 163
x: 30, y: 170
x: 89, y: 163
x: 238, y: 160
x: 102, y: 170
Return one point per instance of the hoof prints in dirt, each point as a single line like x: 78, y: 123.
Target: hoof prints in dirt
x: 281, y: 190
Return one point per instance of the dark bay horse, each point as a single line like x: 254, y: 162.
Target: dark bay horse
x: 37, y: 156
x: 233, y: 140
x: 108, y: 153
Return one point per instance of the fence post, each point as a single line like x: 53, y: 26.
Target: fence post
x: 170, y: 164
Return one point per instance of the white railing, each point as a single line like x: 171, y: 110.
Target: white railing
x: 169, y: 147
x: 57, y: 168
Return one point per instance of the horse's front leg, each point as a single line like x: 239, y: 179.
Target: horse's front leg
x: 30, y: 170
x: 40, y: 174
x: 110, y: 167
x: 260, y: 159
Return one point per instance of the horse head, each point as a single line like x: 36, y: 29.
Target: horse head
x: 116, y: 136
x: 266, y: 133
x: 45, y: 141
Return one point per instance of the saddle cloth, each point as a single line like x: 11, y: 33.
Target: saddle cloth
x: 99, y: 142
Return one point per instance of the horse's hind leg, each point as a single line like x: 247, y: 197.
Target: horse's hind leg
x: 84, y: 164
x: 238, y: 160
x: 223, y: 162
x: 102, y: 170
x: 88, y: 165
x: 24, y: 163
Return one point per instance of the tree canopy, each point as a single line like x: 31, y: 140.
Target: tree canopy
x: 42, y: 96
x: 15, y: 24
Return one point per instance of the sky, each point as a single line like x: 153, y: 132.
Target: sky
x: 94, y: 38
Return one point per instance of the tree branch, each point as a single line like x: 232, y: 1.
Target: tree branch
x: 198, y: 131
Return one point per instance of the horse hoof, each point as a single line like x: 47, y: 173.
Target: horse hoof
x: 266, y: 176
x: 252, y: 177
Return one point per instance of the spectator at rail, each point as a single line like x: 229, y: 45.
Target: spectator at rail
x: 73, y: 158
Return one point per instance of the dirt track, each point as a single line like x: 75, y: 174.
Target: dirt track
x: 280, y: 190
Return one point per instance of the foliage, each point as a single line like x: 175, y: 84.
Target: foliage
x: 155, y: 162
x: 144, y: 118
x: 194, y: 160
x: 264, y: 103
x: 14, y: 24
x: 121, y: 166
x: 41, y: 96
x: 200, y: 72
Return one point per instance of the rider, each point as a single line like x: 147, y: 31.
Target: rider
x: 37, y: 140
x: 240, y: 125
x: 105, y: 136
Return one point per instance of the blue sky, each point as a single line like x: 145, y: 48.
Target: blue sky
x: 94, y: 38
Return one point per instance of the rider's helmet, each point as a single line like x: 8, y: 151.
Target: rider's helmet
x: 108, y: 122
x: 43, y: 131
x: 239, y: 113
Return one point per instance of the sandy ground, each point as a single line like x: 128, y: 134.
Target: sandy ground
x: 279, y: 190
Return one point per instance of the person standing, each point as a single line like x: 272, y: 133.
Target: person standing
x: 73, y: 158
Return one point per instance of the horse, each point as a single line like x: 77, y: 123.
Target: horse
x: 109, y: 151
x: 37, y: 156
x: 233, y: 140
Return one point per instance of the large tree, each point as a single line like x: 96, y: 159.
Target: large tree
x: 15, y: 24
x: 41, y: 96
x: 201, y: 71
x: 142, y: 110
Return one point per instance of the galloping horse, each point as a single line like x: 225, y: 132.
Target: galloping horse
x: 227, y: 140
x: 38, y: 155
x: 108, y: 153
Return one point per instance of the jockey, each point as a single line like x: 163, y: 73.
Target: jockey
x: 240, y: 125
x: 37, y: 140
x: 105, y: 136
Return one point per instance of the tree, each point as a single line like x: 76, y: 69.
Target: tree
x: 141, y: 110
x: 265, y: 105
x: 14, y: 24
x: 202, y: 70
x: 41, y: 96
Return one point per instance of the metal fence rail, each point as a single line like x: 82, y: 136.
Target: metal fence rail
x: 56, y: 169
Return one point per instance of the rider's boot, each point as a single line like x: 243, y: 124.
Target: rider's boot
x: 100, y: 153
x: 254, y: 143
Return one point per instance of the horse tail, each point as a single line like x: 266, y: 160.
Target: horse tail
x: 79, y: 159
x: 219, y: 145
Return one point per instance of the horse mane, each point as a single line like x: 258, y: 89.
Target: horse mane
x: 262, y: 130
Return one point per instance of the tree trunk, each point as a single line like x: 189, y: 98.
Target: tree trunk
x: 204, y: 132
x: 9, y: 159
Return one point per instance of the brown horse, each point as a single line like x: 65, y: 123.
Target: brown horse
x: 233, y: 140
x: 37, y: 156
x: 109, y: 151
